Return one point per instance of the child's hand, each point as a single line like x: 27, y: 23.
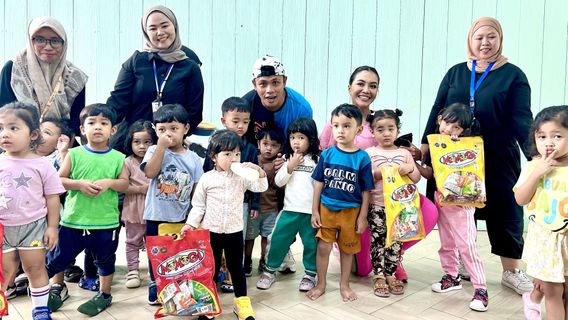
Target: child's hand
x: 295, y: 160
x: 316, y: 220
x: 546, y: 164
x: 254, y: 214
x: 361, y: 225
x: 251, y: 165
x: 185, y: 228
x: 89, y: 188
x: 377, y: 174
x: 405, y: 168
x: 63, y: 143
x: 278, y: 162
x: 144, y: 189
x: 164, y: 140
x: 104, y: 184
x: 50, y: 238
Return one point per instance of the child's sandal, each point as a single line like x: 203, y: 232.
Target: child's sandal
x: 395, y: 286
x: 380, y: 287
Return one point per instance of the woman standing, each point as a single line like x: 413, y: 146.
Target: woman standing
x: 41, y: 76
x: 165, y: 72
x: 498, y: 94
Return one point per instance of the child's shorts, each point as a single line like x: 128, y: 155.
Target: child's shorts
x: 339, y: 226
x: 25, y: 237
x: 262, y: 225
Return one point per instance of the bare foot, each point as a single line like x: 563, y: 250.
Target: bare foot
x: 316, y: 292
x: 347, y: 294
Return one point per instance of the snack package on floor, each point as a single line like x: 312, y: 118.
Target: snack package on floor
x: 459, y: 170
x: 184, y: 271
x: 3, y: 300
x: 402, y: 207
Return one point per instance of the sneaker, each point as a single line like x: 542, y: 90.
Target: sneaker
x: 307, y: 283
x: 517, y: 280
x: 95, y: 305
x: 248, y: 267
x: 22, y: 284
x: 242, y: 308
x: 57, y: 294
x: 73, y: 274
x: 11, y: 293
x: 480, y: 300
x: 448, y: 283
x: 41, y: 313
x: 227, y: 286
x: 91, y: 284
x: 462, y: 271
x: 133, y: 279
x: 288, y: 265
x: 153, y: 294
x: 400, y: 273
x: 262, y: 265
x: 531, y: 309
x: 265, y: 280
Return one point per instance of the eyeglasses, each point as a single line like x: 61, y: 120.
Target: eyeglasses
x: 53, y: 42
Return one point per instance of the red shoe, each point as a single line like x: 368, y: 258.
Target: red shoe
x: 400, y: 273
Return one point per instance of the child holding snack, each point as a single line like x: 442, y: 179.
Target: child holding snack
x: 218, y: 206
x: 456, y: 224
x: 385, y: 125
x: 141, y: 136
x: 542, y: 188
x: 302, y: 153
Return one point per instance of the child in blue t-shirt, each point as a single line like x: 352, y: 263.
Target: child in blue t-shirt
x: 174, y: 171
x: 343, y: 178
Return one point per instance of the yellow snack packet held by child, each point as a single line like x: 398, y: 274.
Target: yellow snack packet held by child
x: 459, y: 170
x: 402, y: 207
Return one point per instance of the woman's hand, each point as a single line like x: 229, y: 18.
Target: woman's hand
x: 278, y: 162
x: 414, y: 151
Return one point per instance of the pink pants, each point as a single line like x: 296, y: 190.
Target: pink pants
x: 457, y: 231
x: 134, y: 242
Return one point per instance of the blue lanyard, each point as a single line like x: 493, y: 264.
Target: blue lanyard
x: 474, y: 85
x: 160, y: 88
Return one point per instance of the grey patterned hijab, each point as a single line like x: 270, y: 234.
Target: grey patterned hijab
x: 33, y: 81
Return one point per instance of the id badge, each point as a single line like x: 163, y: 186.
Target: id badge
x: 156, y: 105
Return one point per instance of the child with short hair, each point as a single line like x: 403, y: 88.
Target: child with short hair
x: 302, y: 153
x: 217, y: 206
x: 456, y: 224
x: 57, y: 136
x: 343, y: 178
x: 93, y: 174
x: 140, y: 137
x: 29, y: 206
x: 541, y: 188
x: 174, y: 171
x: 269, y: 144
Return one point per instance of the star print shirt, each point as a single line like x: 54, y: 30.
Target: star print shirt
x: 24, y: 184
x: 381, y: 158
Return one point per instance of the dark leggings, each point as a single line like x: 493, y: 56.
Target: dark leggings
x: 232, y: 243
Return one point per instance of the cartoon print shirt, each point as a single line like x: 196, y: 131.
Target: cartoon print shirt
x: 24, y: 184
x: 345, y: 176
x: 381, y: 158
x: 550, y: 200
x: 169, y: 193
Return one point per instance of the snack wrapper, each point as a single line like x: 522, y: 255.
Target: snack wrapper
x: 184, y: 271
x: 3, y: 300
x: 402, y: 206
x: 459, y: 170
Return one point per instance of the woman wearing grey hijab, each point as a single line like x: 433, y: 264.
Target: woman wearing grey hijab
x: 164, y: 72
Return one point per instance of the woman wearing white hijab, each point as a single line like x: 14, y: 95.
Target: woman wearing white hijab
x: 41, y: 76
x: 164, y: 72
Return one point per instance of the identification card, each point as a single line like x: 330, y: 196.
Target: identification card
x: 156, y: 105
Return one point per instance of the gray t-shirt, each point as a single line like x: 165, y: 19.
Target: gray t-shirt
x: 169, y: 193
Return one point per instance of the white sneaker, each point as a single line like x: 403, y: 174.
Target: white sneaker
x: 517, y: 280
x: 289, y: 264
x: 307, y: 283
x: 265, y: 281
x: 133, y: 279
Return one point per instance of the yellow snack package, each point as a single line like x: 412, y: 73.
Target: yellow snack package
x: 459, y: 170
x: 402, y: 207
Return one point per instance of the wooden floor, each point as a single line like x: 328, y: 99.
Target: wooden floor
x: 284, y: 301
